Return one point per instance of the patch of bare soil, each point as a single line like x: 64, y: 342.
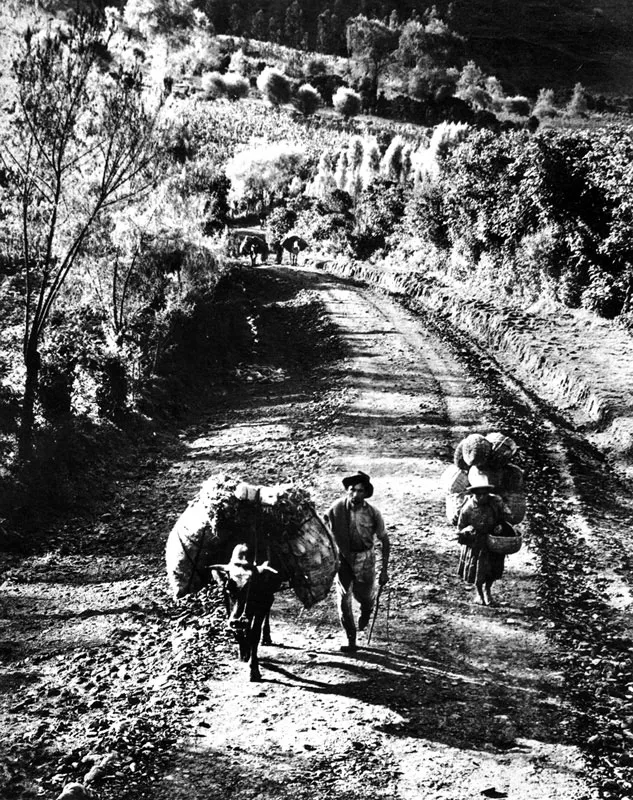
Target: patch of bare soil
x: 108, y: 682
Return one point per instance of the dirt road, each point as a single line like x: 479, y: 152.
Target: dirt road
x: 450, y: 700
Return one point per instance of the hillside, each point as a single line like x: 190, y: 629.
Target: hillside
x: 527, y: 44
x: 531, y: 43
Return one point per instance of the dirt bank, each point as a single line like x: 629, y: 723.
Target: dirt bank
x: 572, y: 359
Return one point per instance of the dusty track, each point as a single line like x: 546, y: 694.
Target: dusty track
x: 451, y: 700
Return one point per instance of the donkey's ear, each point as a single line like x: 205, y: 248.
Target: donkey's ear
x: 219, y: 570
x: 265, y: 567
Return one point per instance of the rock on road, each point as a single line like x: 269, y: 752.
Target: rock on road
x: 449, y: 700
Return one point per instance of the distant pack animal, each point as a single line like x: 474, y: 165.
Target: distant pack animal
x: 249, y: 592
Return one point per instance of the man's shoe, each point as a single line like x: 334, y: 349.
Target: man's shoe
x: 349, y: 648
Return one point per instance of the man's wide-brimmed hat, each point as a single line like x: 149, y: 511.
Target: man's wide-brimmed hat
x: 359, y: 477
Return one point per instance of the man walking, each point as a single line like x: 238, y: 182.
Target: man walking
x: 355, y: 525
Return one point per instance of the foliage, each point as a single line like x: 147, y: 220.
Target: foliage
x: 372, y: 43
x: 307, y: 99
x: 79, y: 143
x: 379, y: 209
x: 235, y: 86
x: 274, y: 85
x: 471, y: 87
x: 347, y: 102
x: 264, y: 172
x: 153, y: 17
x: 544, y: 107
x: 577, y: 105
x: 555, y: 223
x: 280, y: 222
x: 428, y: 51
x: 213, y: 85
x: 518, y: 105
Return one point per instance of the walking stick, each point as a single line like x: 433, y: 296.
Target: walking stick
x: 373, y: 622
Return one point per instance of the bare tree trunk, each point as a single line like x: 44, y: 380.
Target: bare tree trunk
x: 27, y: 417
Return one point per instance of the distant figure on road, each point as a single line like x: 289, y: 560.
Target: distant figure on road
x: 482, y: 513
x: 294, y: 245
x: 355, y: 525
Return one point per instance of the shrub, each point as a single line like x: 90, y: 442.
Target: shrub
x: 518, y: 105
x: 307, y: 99
x: 274, y: 86
x: 577, y: 106
x: 346, y: 102
x: 213, y: 85
x: 544, y: 107
x: 235, y: 86
x: 112, y: 389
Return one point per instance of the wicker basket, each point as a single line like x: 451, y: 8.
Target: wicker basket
x: 509, y: 542
x: 517, y: 503
x: 503, y: 448
x: 454, y: 480
x: 454, y: 503
x: 476, y: 450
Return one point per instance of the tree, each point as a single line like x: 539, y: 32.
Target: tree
x: 325, y: 34
x: 347, y: 102
x: 260, y: 174
x: 371, y: 43
x: 79, y: 143
x: 370, y: 164
x: 471, y: 87
x: 153, y: 17
x: 294, y: 27
x: 274, y: 85
x: 391, y: 165
x: 544, y: 107
x: 577, y: 106
x: 307, y: 99
x: 259, y: 27
x: 212, y: 85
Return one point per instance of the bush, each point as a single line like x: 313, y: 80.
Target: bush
x: 213, y: 85
x: 274, y: 86
x: 307, y: 99
x: 235, y: 86
x: 112, y: 390
x: 518, y: 105
x: 544, y: 107
x: 347, y: 102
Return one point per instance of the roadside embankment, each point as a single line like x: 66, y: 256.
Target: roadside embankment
x: 572, y: 359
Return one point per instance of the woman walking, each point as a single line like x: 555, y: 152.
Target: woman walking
x: 482, y: 513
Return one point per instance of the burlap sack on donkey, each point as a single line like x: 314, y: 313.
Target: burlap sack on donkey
x: 280, y: 521
x: 203, y: 534
x: 300, y: 541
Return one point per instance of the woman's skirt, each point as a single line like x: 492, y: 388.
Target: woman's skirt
x: 478, y: 565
